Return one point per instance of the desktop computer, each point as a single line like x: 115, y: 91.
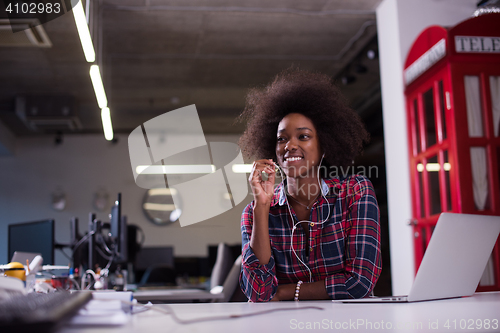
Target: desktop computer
x: 33, y: 237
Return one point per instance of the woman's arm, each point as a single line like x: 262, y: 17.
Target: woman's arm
x: 308, y: 291
x: 258, y: 279
x: 262, y: 191
x: 259, y: 241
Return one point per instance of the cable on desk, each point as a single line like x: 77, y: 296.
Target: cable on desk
x: 199, y: 320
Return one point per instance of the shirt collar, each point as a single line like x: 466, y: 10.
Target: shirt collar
x: 280, y: 195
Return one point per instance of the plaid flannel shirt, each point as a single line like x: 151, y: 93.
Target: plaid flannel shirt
x: 344, y: 251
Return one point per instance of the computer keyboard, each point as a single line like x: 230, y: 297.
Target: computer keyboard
x: 37, y: 312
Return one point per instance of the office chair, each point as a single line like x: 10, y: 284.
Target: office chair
x: 222, y: 266
x: 231, y: 286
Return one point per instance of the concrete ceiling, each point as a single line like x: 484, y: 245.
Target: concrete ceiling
x: 158, y: 55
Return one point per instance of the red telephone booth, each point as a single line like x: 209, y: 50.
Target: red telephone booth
x: 452, y: 78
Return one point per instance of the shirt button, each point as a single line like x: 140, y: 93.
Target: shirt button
x: 310, y: 249
x: 311, y: 224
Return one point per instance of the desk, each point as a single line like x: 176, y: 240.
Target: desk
x: 430, y: 316
x: 175, y: 295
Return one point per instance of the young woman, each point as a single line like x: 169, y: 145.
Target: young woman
x: 316, y: 235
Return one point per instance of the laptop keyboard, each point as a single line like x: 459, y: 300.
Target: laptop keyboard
x: 37, y: 312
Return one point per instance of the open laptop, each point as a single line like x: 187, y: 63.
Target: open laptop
x: 454, y: 261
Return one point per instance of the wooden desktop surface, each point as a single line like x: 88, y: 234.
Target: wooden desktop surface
x: 479, y: 313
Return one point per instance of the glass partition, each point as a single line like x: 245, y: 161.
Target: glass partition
x: 433, y: 168
x: 495, y: 103
x: 430, y: 124
x: 473, y: 104
x: 479, y: 167
x: 442, y: 109
x: 447, y: 168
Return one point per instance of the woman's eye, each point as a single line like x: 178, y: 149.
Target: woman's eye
x: 304, y: 136
x: 280, y: 139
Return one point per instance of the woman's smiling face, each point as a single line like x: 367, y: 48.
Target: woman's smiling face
x: 297, y: 146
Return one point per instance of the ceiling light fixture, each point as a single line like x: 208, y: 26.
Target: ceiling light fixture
x: 158, y: 206
x: 83, y: 32
x: 371, y: 54
x: 242, y: 168
x: 95, y: 76
x: 175, y: 169
x: 106, y: 124
x: 162, y: 191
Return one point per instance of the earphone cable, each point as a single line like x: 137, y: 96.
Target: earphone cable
x: 305, y: 221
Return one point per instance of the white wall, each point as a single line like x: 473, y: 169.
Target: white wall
x: 399, y: 22
x: 81, y: 166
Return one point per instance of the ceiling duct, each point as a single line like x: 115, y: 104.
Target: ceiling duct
x: 31, y: 33
x: 48, y: 114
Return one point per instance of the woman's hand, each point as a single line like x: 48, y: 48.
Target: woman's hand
x: 262, y: 190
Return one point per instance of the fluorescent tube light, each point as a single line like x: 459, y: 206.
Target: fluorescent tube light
x: 83, y: 32
x: 242, y: 168
x: 160, y: 207
x: 95, y: 76
x: 106, y: 124
x: 174, y: 169
x: 162, y: 191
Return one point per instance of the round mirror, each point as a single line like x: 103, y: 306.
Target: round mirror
x: 159, y: 206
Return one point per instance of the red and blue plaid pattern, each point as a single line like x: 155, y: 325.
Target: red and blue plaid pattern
x: 344, y: 251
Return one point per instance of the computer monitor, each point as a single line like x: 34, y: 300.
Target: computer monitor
x: 155, y: 266
x: 36, y: 237
x: 156, y: 255
x: 118, y: 231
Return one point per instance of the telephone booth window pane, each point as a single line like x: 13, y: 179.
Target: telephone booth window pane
x: 495, y: 103
x: 430, y: 124
x: 417, y: 126
x: 423, y: 238
x: 420, y: 168
x: 443, y: 110
x: 473, y: 103
x: 434, y: 192
x: 447, y: 167
x: 479, y: 167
